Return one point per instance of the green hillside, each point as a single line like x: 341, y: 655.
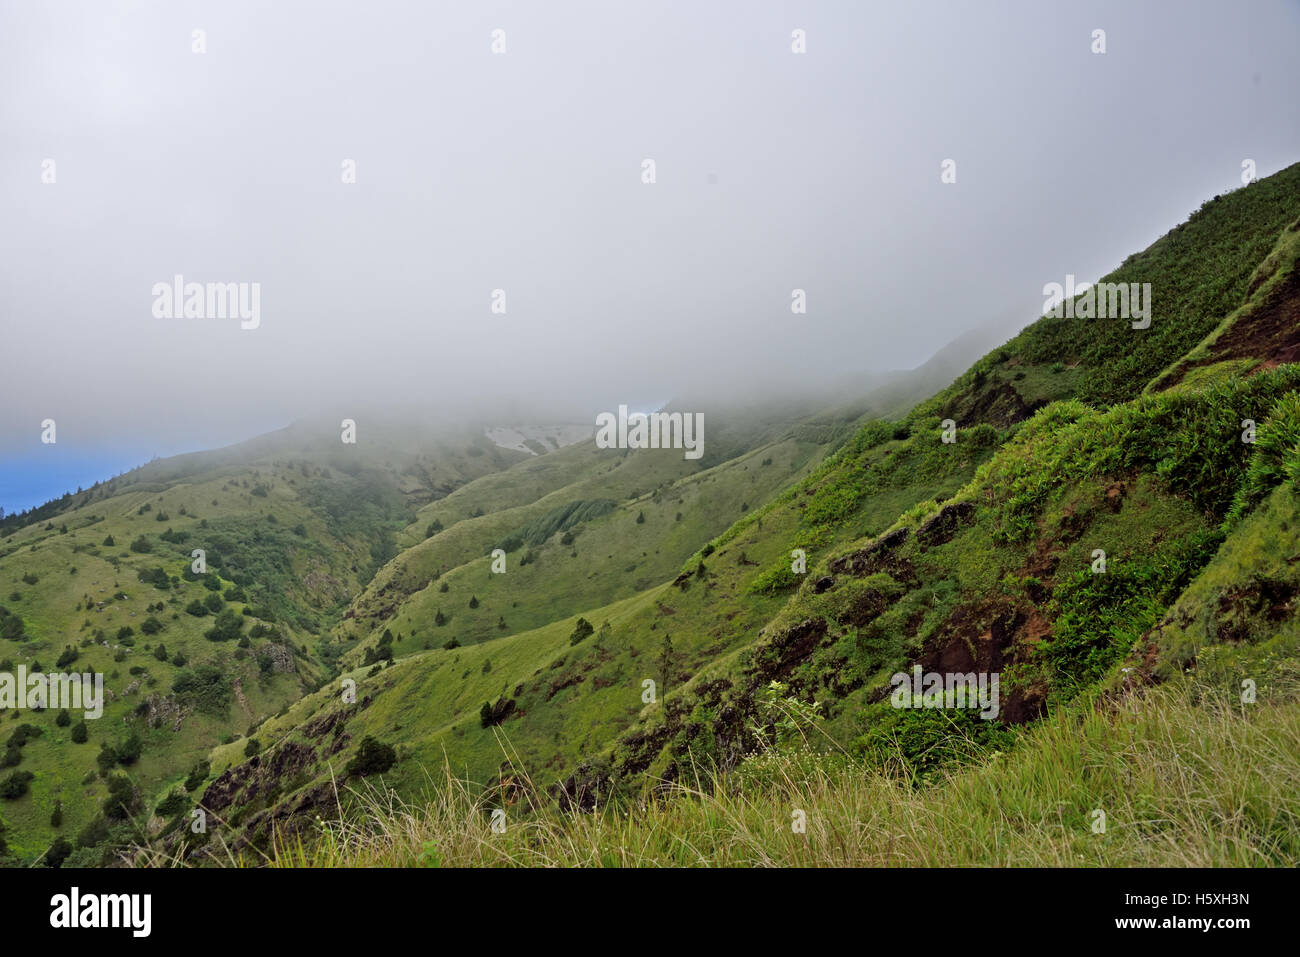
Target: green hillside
x: 975, y: 555
x: 1099, y: 514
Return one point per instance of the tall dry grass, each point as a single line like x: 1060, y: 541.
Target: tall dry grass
x: 1182, y: 779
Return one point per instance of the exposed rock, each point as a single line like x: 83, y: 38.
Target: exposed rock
x: 282, y: 659
x: 941, y: 529
x: 879, y: 556
x: 163, y: 708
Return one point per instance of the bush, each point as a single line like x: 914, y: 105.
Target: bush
x: 80, y: 733
x: 174, y: 803
x: 252, y: 747
x: 198, y: 776
x: 142, y: 545
x: 58, y: 852
x: 151, y: 626
x: 11, y: 626
x: 582, y: 630
x: 205, y: 688
x: 24, y: 733
x: 156, y: 577
x: 128, y: 752
x: 228, y: 626
x: 122, y: 800
x: 15, y: 785
x: 373, y: 757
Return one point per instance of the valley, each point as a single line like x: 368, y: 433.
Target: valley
x: 732, y: 614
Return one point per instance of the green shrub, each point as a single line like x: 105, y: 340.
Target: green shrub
x: 582, y: 630
x: 228, y: 626
x: 372, y: 757
x: 15, y: 785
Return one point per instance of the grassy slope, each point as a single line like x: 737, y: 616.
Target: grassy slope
x: 1012, y: 586
x: 303, y: 522
x: 1151, y: 479
x: 1182, y: 784
x: 298, y: 564
x: 1186, y: 775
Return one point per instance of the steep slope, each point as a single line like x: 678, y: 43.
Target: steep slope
x: 291, y: 527
x: 992, y: 566
x: 295, y: 526
x: 1262, y: 331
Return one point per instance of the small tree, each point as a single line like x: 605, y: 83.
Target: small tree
x: 227, y: 627
x: 122, y: 800
x: 58, y: 853
x: 197, y: 776
x: 373, y: 757
x: 583, y: 629
x: 128, y: 752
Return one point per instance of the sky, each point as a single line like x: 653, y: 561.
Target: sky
x: 133, y: 150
